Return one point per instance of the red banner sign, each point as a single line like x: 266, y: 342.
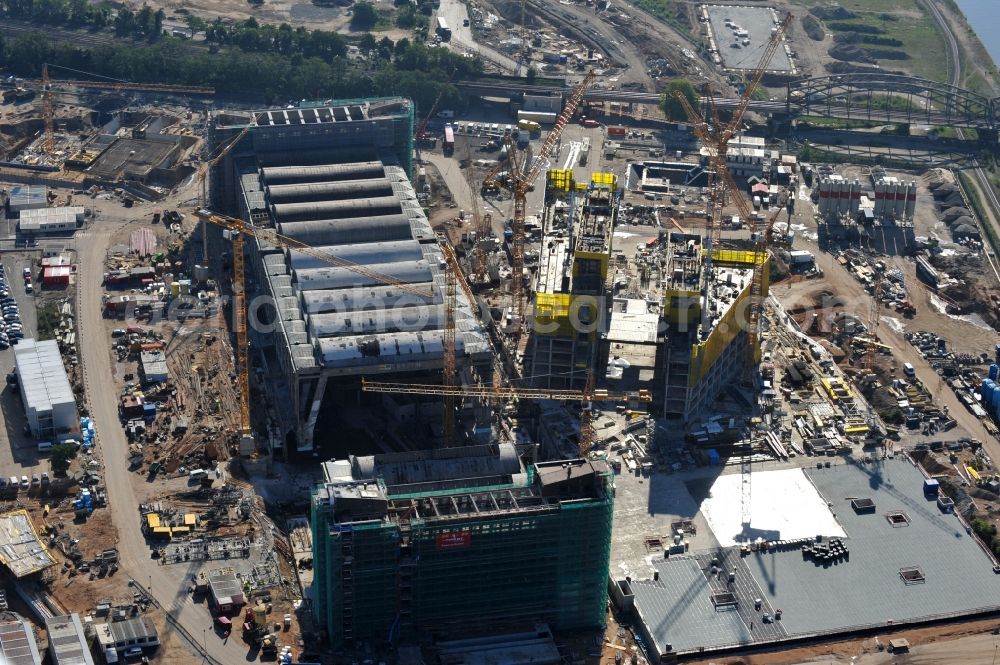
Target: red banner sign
x: 453, y: 540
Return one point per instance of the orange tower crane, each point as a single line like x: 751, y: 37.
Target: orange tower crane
x: 715, y: 136
x: 47, y: 112
x: 238, y: 228
x: 47, y: 85
x: 520, y: 183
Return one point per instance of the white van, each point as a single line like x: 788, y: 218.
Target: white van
x: 44, y: 446
x: 908, y: 370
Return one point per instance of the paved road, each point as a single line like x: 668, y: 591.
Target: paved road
x: 454, y: 12
x: 166, y: 582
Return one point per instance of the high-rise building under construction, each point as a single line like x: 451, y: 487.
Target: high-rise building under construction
x: 457, y: 540
x: 571, y: 286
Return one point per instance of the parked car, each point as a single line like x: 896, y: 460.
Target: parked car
x: 26, y: 272
x: 25, y: 483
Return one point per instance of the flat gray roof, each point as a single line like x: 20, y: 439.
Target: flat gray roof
x: 133, y: 629
x: 864, y: 589
x: 678, y: 609
x: 42, y: 374
x: 17, y: 641
x: 868, y: 589
x: 67, y: 641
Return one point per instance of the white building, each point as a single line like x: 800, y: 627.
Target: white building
x: 51, y: 220
x: 67, y: 641
x: 49, y: 404
x: 27, y: 197
x: 118, y: 638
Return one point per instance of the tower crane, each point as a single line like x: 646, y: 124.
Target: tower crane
x: 47, y: 85
x: 205, y: 168
x: 208, y: 165
x: 483, y: 224
x: 430, y: 114
x: 520, y: 179
x: 715, y: 136
x: 238, y: 228
x: 47, y: 112
x: 497, y: 392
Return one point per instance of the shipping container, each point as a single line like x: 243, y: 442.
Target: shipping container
x: 442, y: 29
x: 540, y: 117
x: 616, y: 131
x: 449, y: 140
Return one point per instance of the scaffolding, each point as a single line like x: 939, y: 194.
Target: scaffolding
x: 502, y: 557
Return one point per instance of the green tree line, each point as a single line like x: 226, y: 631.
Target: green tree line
x: 407, y: 68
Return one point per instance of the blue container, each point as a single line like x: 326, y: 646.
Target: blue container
x: 995, y: 401
x: 986, y: 389
x: 713, y: 457
x: 994, y: 371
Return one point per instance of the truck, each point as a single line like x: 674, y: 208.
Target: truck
x: 539, y: 117
x: 529, y: 126
x: 442, y: 30
x: 590, y: 122
x: 584, y: 151
x: 449, y: 140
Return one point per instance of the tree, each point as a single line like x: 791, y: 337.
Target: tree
x: 364, y: 17
x: 672, y: 108
x: 385, y: 48
x: 367, y: 43
x: 195, y: 24
x: 60, y: 457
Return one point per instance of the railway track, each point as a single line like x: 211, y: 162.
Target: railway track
x: 982, y: 181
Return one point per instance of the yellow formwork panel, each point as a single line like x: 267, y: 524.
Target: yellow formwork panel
x: 609, y: 180
x: 704, y: 354
x: 682, y: 306
x: 601, y: 257
x: 560, y: 180
x: 552, y: 314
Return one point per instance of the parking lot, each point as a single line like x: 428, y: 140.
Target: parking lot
x: 18, y: 451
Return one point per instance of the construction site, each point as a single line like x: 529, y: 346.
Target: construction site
x: 352, y: 377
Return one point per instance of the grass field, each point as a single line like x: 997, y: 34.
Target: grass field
x: 922, y: 44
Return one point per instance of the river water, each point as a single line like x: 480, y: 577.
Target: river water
x: 984, y: 17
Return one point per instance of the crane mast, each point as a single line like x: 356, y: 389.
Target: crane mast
x: 47, y: 112
x: 715, y: 137
x: 453, y: 280
x: 521, y: 177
